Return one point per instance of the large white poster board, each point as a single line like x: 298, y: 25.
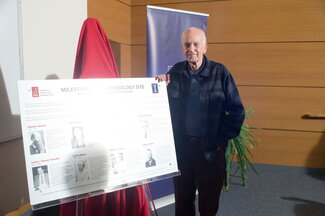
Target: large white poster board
x: 87, y: 135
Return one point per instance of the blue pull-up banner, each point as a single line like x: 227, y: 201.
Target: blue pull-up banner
x: 164, y: 48
x: 164, y: 30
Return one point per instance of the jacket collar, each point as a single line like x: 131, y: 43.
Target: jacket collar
x: 205, y: 71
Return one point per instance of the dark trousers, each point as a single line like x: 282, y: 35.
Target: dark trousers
x: 198, y: 173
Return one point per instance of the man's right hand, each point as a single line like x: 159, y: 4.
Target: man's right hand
x: 163, y: 77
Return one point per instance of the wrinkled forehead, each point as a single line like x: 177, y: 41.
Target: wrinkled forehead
x: 192, y: 35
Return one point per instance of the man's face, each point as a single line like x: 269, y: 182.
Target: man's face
x: 193, y: 47
x: 36, y: 138
x: 40, y: 170
x: 149, y: 155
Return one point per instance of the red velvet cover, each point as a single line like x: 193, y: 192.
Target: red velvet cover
x: 95, y: 59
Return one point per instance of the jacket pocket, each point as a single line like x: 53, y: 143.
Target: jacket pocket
x: 216, y: 97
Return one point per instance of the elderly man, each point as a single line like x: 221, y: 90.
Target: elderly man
x: 206, y: 111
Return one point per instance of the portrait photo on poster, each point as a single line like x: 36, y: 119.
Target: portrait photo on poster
x: 78, y: 138
x: 41, y: 178
x: 146, y: 126
x: 150, y: 161
x: 82, y: 171
x: 118, y: 162
x: 37, y: 144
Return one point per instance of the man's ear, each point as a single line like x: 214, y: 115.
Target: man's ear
x: 206, y: 48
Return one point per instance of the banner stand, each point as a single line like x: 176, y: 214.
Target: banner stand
x: 164, y: 30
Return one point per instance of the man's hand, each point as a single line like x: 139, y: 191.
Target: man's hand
x: 163, y: 77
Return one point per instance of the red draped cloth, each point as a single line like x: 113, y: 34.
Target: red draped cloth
x: 95, y: 59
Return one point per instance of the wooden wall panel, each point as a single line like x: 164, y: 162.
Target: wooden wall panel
x: 139, y: 63
x: 273, y: 64
x: 125, y: 70
x: 138, y: 25
x: 127, y: 2
x: 153, y: 2
x: 290, y: 148
x: 249, y: 20
x: 282, y: 108
x: 115, y: 18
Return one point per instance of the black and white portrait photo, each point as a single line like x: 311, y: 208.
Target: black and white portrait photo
x: 150, y: 161
x: 37, y: 145
x: 41, y: 178
x: 82, y: 171
x: 117, y: 161
x: 78, y: 140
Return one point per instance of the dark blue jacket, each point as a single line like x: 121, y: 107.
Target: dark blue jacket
x: 222, y: 112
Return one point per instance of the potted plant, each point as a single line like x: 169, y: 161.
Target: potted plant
x: 239, y: 148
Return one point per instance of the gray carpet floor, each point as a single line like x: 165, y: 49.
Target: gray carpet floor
x: 277, y: 191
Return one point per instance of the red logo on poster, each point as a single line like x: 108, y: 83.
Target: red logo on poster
x: 35, y: 92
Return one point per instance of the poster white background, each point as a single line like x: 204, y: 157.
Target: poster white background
x: 97, y: 134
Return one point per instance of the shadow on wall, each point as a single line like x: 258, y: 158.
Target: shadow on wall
x: 11, y: 128
x: 12, y: 163
x: 319, y: 150
x: 52, y: 76
x: 307, y: 207
x: 116, y: 48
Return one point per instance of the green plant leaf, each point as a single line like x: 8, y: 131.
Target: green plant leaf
x: 239, y: 148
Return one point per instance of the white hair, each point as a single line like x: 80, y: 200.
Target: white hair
x: 204, y: 38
